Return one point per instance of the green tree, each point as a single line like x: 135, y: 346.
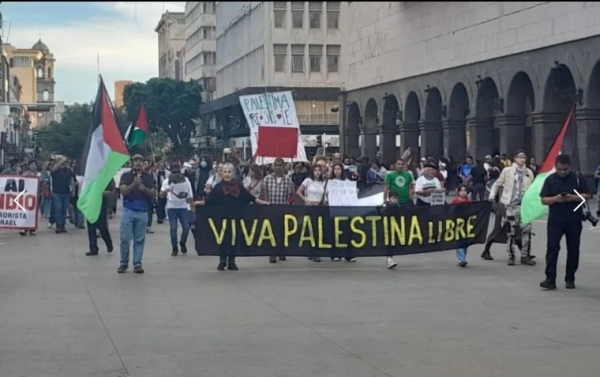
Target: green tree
x: 68, y: 137
x: 170, y: 104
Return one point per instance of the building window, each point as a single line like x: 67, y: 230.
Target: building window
x: 45, y: 95
x: 333, y: 15
x: 333, y: 58
x: 297, y: 14
x: 279, y: 19
x: 49, y: 72
x: 298, y: 58
x: 279, y: 54
x: 315, y: 53
x: 40, y: 73
x: 208, y: 7
x: 315, y: 9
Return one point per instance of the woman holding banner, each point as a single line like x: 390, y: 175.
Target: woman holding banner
x: 229, y: 192
x: 312, y: 192
x: 337, y: 173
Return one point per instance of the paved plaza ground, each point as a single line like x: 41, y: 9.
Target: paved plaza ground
x: 63, y: 314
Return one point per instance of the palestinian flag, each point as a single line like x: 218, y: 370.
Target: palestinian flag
x: 104, y: 154
x: 137, y: 131
x: 565, y: 143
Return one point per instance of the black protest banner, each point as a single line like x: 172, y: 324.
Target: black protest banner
x: 336, y: 231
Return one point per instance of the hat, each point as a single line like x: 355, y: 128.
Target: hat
x: 175, y: 168
x: 137, y: 156
x: 488, y: 157
x: 431, y: 164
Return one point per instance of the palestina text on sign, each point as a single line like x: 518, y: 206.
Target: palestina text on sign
x: 257, y: 231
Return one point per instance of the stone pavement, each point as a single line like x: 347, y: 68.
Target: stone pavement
x: 63, y: 314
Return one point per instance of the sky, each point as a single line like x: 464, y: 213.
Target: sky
x: 122, y: 33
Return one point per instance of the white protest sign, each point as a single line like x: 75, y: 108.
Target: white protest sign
x: 341, y: 193
x: 19, y: 202
x: 271, y: 109
x: 438, y: 197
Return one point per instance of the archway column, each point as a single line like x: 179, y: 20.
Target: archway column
x: 409, y: 135
x: 481, y: 135
x: 545, y: 128
x: 431, y: 133
x: 588, y: 137
x: 455, y: 145
x: 352, y: 147
x: 387, y: 142
x: 512, y: 132
x: 369, y: 142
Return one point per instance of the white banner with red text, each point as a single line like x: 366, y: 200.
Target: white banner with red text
x: 19, y: 198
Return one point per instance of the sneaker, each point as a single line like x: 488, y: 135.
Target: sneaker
x: 351, y: 260
x: 272, y: 260
x: 548, y: 284
x: 282, y: 257
x: 109, y: 248
x: 175, y: 252
x: 138, y: 270
x: 32, y: 233
x: 183, y: 248
x: 122, y: 269
x: 232, y: 267
x: 316, y: 259
x: 50, y: 225
x: 390, y: 264
x: 336, y: 259
x: 221, y: 266
x: 91, y: 253
x: 570, y: 284
x: 486, y: 255
x: 149, y: 230
x: 462, y: 264
x: 511, y: 261
x: 23, y: 232
x: 527, y: 261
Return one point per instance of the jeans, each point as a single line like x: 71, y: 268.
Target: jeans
x: 133, y: 228
x: 102, y: 226
x: 45, y: 207
x: 572, y: 232
x: 461, y: 254
x: 60, y: 202
x: 150, y: 212
x: 161, y: 214
x: 78, y: 218
x: 183, y: 216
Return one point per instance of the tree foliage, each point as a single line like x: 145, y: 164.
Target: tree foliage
x: 68, y: 137
x: 170, y: 105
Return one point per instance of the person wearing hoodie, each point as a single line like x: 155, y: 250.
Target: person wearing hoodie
x: 177, y: 189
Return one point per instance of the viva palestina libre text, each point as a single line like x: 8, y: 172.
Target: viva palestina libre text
x: 368, y: 231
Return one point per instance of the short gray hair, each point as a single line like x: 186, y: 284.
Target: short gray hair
x: 227, y: 166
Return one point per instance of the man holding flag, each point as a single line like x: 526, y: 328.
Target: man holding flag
x: 515, y: 180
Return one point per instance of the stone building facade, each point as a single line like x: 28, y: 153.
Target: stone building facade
x: 472, y: 78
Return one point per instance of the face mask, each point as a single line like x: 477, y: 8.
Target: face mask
x: 203, y: 164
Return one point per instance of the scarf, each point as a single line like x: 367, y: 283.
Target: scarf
x: 231, y: 188
x: 517, y: 194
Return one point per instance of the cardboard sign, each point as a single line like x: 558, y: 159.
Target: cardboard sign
x: 19, y: 198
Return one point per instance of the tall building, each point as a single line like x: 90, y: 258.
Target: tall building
x: 171, y: 39
x: 119, y: 90
x: 278, y: 46
x: 471, y: 78
x: 201, y: 45
x: 34, y: 67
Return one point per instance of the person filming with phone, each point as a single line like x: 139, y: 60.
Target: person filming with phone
x: 564, y: 219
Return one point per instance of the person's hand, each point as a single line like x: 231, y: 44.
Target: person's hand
x: 264, y: 203
x: 573, y: 198
x: 198, y: 203
x: 137, y: 180
x: 560, y: 199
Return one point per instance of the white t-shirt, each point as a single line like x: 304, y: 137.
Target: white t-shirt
x: 173, y: 201
x: 314, y: 190
x: 423, y: 183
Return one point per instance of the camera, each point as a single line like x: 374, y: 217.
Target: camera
x: 586, y: 215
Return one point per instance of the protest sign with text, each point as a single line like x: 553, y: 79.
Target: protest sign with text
x: 342, y: 193
x: 19, y: 202
x: 318, y: 230
x: 274, y: 127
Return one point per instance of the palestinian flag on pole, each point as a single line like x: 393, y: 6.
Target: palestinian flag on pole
x: 565, y: 143
x: 104, y: 154
x: 137, y: 131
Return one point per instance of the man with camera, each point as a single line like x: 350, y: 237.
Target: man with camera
x: 560, y: 193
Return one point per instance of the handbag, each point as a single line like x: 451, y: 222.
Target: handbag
x: 324, y: 194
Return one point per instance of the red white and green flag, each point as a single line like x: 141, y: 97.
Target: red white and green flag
x: 531, y: 205
x: 104, y: 154
x: 138, y: 131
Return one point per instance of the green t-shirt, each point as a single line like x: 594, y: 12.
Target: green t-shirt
x: 400, y: 182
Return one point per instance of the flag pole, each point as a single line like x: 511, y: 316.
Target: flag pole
x: 98, y: 65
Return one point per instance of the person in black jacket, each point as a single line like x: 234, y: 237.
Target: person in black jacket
x: 101, y: 224
x: 229, y: 193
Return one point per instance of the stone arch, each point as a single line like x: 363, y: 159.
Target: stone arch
x: 409, y: 128
x: 389, y: 128
x: 560, y: 95
x: 369, y: 129
x: 516, y: 127
x: 455, y: 128
x: 353, y: 130
x: 588, y: 123
x: 432, y: 137
x: 483, y: 137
